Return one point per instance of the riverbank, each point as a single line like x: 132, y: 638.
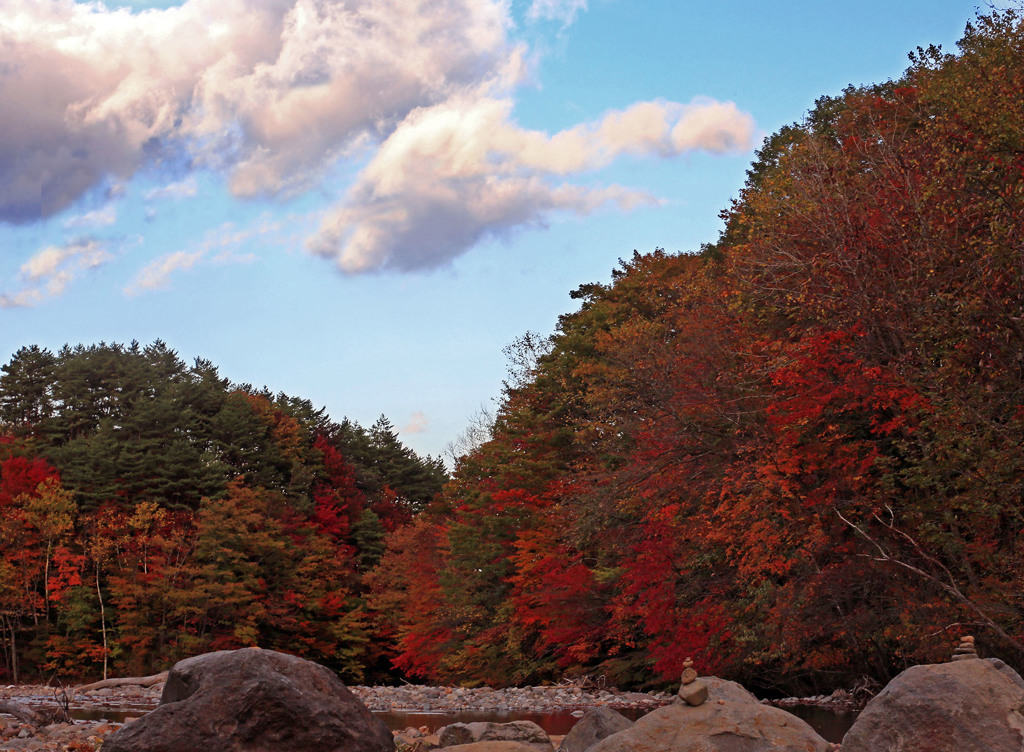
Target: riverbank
x: 407, y: 698
x: 99, y: 712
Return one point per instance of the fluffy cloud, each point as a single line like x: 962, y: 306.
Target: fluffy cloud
x: 49, y: 272
x: 275, y: 94
x: 453, y: 174
x: 272, y: 91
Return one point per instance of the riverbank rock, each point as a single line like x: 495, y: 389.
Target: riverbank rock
x: 595, y: 725
x: 253, y: 701
x: 491, y: 746
x: 731, y: 720
x: 972, y: 705
x: 547, y: 699
x: 522, y: 732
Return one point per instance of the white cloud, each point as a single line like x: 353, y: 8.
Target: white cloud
x: 157, y: 273
x: 269, y: 90
x: 179, y: 189
x: 418, y: 423
x: 556, y: 10
x: 272, y: 94
x: 49, y: 272
x: 453, y: 174
x: 218, y: 247
x: 98, y: 218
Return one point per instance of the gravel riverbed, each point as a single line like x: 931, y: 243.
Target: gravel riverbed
x: 103, y: 706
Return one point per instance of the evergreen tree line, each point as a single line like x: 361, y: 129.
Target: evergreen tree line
x: 795, y: 455
x: 150, y: 511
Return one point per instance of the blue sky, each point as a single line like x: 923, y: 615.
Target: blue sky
x: 361, y: 202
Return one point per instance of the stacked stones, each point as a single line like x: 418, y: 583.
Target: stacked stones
x: 965, y: 650
x: 692, y: 691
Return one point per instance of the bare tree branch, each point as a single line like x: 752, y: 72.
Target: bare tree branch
x: 946, y: 582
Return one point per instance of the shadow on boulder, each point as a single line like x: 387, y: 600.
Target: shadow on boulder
x: 253, y: 700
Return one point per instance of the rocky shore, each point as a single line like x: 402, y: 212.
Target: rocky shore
x: 109, y: 708
x: 412, y: 698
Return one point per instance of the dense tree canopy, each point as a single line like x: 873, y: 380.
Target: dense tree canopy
x: 151, y: 511
x: 794, y: 456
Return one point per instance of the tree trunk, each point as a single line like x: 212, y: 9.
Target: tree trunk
x: 127, y: 681
x: 14, y: 654
x: 103, y: 621
x: 23, y: 713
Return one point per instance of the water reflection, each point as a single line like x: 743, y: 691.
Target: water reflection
x: 112, y: 715
x: 552, y: 723
x: 832, y: 725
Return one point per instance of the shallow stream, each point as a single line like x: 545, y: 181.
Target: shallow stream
x: 832, y: 725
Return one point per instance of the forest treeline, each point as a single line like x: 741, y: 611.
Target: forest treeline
x: 150, y: 511
x: 796, y: 455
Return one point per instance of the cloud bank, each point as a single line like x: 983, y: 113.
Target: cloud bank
x: 455, y: 173
x: 276, y: 94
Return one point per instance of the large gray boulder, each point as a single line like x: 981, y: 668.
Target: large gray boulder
x: 595, y: 725
x: 965, y: 706
x: 253, y: 701
x: 731, y: 720
x: 523, y: 732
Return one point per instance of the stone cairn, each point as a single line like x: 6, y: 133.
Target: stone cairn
x: 692, y: 691
x: 965, y: 650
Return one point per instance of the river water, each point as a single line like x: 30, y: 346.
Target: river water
x: 832, y: 725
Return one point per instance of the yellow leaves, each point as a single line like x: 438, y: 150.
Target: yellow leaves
x: 246, y: 634
x: 51, y: 510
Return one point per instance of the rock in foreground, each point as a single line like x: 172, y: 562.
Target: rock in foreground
x: 253, y: 701
x: 523, y: 732
x: 731, y: 720
x: 965, y: 706
x: 595, y: 725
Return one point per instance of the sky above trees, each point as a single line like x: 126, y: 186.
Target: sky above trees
x: 362, y: 201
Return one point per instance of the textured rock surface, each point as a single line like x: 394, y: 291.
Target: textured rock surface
x: 965, y: 706
x: 523, y: 732
x: 253, y: 701
x: 732, y: 720
x: 492, y: 746
x: 694, y: 693
x: 594, y: 726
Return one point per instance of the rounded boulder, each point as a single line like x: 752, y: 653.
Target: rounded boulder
x: 253, y: 700
x: 965, y: 706
x: 731, y: 720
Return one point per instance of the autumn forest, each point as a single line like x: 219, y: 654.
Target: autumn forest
x: 796, y: 455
